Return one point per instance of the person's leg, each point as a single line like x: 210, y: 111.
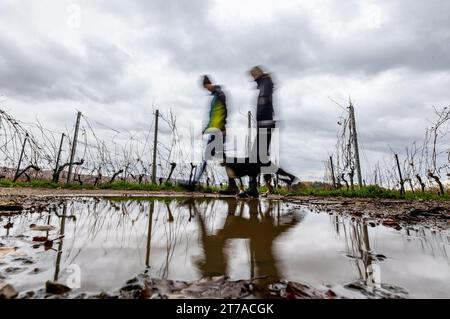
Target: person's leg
x: 202, y: 167
x: 232, y: 188
x: 268, y: 181
x: 266, y: 131
x: 263, y: 140
x: 253, y: 187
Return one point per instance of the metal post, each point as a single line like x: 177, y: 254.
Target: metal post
x: 21, y: 156
x: 402, y: 183
x: 355, y: 143
x: 249, y: 142
x: 155, y: 145
x: 74, y: 147
x: 58, y: 157
x: 332, y: 172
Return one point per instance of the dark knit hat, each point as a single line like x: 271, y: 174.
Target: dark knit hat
x: 206, y: 80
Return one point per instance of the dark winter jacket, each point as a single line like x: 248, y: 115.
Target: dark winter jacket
x: 264, y: 110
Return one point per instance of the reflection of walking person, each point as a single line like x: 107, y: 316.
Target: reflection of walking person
x: 215, y: 129
x: 262, y: 229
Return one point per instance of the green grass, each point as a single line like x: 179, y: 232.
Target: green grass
x: 315, y: 189
x: 364, y: 192
x: 118, y: 185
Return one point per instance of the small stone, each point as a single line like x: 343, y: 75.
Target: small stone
x: 250, y: 287
x: 14, y: 270
x: 132, y: 287
x: 10, y: 207
x: 28, y: 295
x: 179, y: 285
x: 158, y: 296
x: 132, y: 281
x: 24, y: 261
x: 56, y: 288
x: 6, y: 251
x: 48, y: 245
x: 36, y: 271
x: 7, y: 291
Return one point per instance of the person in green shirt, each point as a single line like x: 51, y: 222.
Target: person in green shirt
x: 216, y: 127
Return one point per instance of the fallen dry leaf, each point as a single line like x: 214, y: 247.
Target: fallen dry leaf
x: 42, y: 228
x: 6, y: 251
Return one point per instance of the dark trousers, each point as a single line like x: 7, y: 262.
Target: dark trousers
x: 261, y: 152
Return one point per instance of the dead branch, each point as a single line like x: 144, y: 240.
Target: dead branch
x: 115, y: 176
x: 57, y: 173
x: 438, y: 181
x: 24, y: 171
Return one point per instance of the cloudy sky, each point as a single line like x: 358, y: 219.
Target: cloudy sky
x: 117, y: 60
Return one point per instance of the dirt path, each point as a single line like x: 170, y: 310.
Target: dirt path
x: 391, y: 213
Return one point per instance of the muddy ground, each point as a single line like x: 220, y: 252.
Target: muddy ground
x: 397, y: 214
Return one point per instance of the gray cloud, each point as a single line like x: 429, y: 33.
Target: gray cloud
x: 415, y: 38
x: 48, y: 70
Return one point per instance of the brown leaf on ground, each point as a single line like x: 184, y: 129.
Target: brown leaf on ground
x: 7, y: 291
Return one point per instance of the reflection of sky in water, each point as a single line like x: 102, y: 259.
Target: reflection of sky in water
x: 109, y: 242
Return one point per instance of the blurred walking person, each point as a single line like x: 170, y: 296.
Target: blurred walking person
x: 216, y: 132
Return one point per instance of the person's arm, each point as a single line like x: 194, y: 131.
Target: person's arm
x: 210, y: 119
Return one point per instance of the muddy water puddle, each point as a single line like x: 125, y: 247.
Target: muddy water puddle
x: 96, y: 245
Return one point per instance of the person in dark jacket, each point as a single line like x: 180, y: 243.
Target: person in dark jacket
x: 265, y: 124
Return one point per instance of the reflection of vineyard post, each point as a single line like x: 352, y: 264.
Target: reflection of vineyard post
x: 155, y: 145
x: 358, y: 246
x: 74, y: 147
x: 149, y: 232
x: 60, y: 246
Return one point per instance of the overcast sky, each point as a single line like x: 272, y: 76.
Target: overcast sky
x: 116, y: 60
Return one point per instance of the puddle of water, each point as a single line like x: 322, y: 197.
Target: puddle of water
x: 106, y: 242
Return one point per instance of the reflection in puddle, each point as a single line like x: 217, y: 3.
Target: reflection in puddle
x: 98, y: 244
